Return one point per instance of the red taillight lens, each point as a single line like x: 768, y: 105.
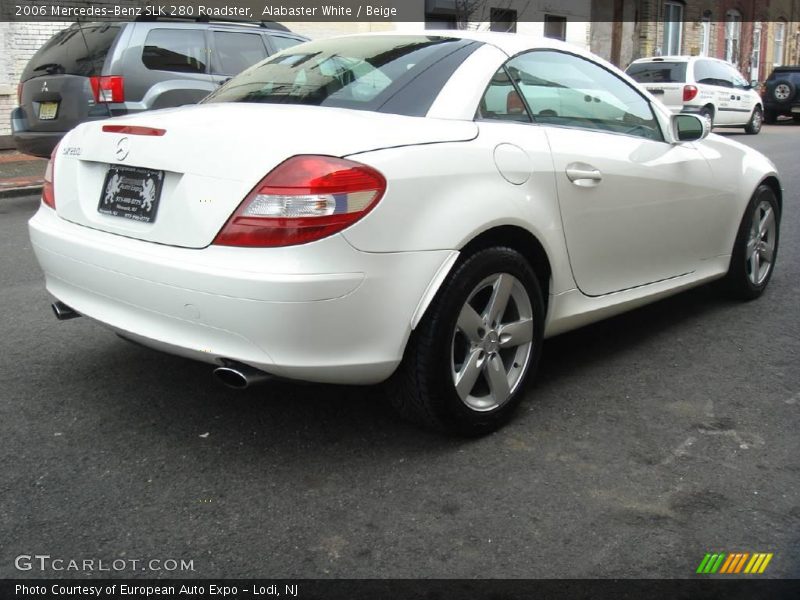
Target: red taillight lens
x: 514, y: 104
x: 48, y: 195
x: 108, y: 89
x: 689, y: 92
x: 303, y: 199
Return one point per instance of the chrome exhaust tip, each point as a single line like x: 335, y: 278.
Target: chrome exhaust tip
x: 64, y: 312
x: 239, y: 376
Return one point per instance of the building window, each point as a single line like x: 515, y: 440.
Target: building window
x: 755, y: 57
x: 780, y: 35
x: 705, y: 42
x: 503, y: 19
x: 733, y: 35
x: 673, y: 26
x: 555, y: 27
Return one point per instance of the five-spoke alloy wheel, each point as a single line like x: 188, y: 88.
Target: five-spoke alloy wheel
x: 467, y: 361
x: 756, y: 247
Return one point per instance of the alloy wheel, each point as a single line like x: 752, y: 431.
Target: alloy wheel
x: 760, y: 252
x: 782, y: 92
x: 492, y: 342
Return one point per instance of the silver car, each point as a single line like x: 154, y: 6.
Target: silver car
x: 93, y: 71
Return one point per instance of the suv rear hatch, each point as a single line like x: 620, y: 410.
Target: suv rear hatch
x: 203, y: 160
x: 56, y: 89
x: 663, y: 78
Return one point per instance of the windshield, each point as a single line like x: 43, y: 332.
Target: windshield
x: 361, y: 72
x: 658, y: 72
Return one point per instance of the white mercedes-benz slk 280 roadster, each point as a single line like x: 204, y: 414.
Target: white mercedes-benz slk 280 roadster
x: 423, y: 207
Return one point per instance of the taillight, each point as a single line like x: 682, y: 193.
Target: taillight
x: 514, y: 104
x: 689, y: 92
x: 48, y: 194
x: 108, y: 89
x: 303, y: 199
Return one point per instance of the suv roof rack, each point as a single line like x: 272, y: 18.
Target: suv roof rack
x: 206, y: 19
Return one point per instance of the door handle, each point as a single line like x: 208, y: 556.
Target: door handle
x: 583, y: 174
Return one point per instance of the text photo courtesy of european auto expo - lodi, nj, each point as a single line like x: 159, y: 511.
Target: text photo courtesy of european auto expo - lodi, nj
x: 438, y: 298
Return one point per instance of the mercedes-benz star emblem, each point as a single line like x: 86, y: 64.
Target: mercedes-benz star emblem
x: 123, y: 147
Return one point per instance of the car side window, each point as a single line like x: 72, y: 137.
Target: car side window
x: 282, y: 43
x: 704, y: 72
x: 179, y: 50
x: 723, y: 75
x: 234, y: 52
x: 502, y: 101
x: 567, y: 90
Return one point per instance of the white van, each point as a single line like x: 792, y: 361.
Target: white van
x: 701, y: 85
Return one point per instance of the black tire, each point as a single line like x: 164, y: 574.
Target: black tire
x: 423, y: 390
x: 739, y: 280
x: 754, y: 124
x: 708, y: 113
x: 777, y: 89
x: 796, y: 118
x: 770, y: 117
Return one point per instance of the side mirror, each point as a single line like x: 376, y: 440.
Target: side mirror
x: 690, y: 128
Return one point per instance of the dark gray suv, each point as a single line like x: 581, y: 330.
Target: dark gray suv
x: 96, y: 70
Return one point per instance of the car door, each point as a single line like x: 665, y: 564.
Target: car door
x: 744, y: 101
x: 727, y: 106
x: 635, y: 209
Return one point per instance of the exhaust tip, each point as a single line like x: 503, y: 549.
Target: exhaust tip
x: 233, y: 378
x: 64, y: 312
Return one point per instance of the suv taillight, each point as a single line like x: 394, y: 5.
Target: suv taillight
x: 303, y: 199
x: 689, y: 92
x: 108, y: 89
x: 48, y: 193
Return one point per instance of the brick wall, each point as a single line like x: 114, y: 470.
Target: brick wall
x: 18, y: 42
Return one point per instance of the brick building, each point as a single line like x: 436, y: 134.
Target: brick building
x: 755, y: 35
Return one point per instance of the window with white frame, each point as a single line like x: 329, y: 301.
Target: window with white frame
x: 705, y: 42
x: 777, y: 50
x: 733, y: 36
x: 755, y: 57
x: 673, y: 28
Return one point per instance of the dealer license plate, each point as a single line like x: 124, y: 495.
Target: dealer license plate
x: 131, y: 193
x: 48, y: 111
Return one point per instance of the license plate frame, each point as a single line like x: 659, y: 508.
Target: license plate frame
x: 131, y: 193
x: 48, y: 111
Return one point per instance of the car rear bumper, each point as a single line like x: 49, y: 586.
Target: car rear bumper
x: 283, y: 310
x: 37, y: 144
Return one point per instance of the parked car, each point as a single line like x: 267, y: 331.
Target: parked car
x: 706, y: 86
x: 781, y: 97
x: 430, y: 214
x: 93, y: 71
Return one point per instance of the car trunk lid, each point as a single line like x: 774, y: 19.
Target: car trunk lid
x: 205, y: 159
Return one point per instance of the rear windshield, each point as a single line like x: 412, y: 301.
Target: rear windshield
x: 353, y: 72
x: 658, y: 72
x: 74, y: 51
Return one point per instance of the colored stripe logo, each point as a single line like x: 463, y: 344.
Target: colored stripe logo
x: 734, y: 563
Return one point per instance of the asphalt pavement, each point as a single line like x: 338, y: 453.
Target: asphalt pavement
x: 647, y: 441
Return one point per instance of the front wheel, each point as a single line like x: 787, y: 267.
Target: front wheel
x: 756, y: 246
x: 468, y: 359
x: 754, y: 124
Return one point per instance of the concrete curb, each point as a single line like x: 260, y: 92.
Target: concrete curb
x: 21, y: 191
